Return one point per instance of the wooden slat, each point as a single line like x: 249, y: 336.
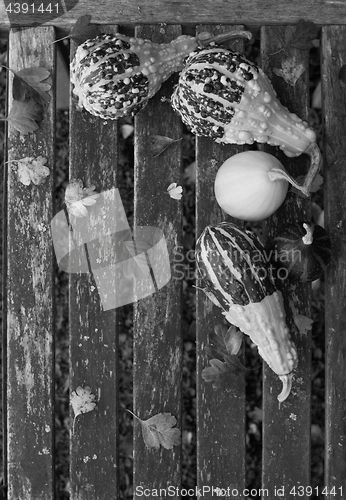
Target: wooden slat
x: 187, y: 11
x: 286, y: 429
x: 334, y: 105
x: 220, y: 414
x: 29, y: 301
x: 93, y: 332
x: 157, y: 319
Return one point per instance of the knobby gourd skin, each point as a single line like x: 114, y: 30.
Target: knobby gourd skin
x: 234, y: 270
x: 116, y: 75
x: 222, y: 95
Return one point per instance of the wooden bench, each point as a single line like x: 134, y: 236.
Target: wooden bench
x: 29, y: 261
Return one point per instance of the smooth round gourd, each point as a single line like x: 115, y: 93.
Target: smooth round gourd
x: 243, y: 187
x: 304, y: 249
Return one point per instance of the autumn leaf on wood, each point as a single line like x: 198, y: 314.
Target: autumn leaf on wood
x: 224, y: 341
x: 25, y: 117
x: 160, y: 430
x: 221, y: 373
x: 175, y: 191
x: 305, y: 32
x: 81, y: 30
x: 82, y: 401
x: 28, y: 83
x: 303, y: 323
x: 31, y: 170
x: 78, y: 198
x: 290, y: 71
x: 159, y: 143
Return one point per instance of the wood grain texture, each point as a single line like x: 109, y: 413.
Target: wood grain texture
x: 220, y: 414
x: 93, y: 331
x: 187, y: 11
x: 286, y: 427
x: 334, y: 105
x: 29, y: 300
x: 157, y: 319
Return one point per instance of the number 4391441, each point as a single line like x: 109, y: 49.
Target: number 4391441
x: 308, y: 491
x: 31, y: 8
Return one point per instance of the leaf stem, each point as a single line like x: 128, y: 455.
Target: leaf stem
x: 134, y: 415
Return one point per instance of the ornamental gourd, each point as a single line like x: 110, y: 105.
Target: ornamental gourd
x: 236, y: 277
x: 246, y: 186
x: 116, y: 75
x: 222, y: 95
x: 304, y: 249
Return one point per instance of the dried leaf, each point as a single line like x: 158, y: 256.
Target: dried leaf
x: 224, y: 342
x: 77, y: 198
x: 31, y: 170
x: 160, y: 430
x: 25, y: 117
x: 158, y: 144
x: 303, y: 323
x: 290, y: 71
x: 81, y: 30
x: 175, y: 191
x: 305, y: 32
x: 82, y: 401
x: 27, y: 84
x: 221, y: 373
x: 137, y: 249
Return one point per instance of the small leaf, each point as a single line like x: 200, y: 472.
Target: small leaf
x: 77, y: 198
x: 82, y: 401
x: 158, y: 144
x: 160, y: 430
x: 25, y: 117
x: 224, y: 341
x: 175, y: 191
x: 303, y: 323
x: 305, y: 32
x: 290, y: 71
x: 27, y: 83
x: 31, y: 170
x: 81, y: 30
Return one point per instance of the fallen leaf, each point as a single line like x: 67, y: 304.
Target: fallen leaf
x: 290, y: 71
x: 82, y: 401
x: 305, y: 32
x: 221, y: 373
x: 81, y: 30
x: 25, y: 117
x: 31, y: 170
x: 224, y: 341
x: 175, y: 191
x: 78, y: 198
x: 27, y: 83
x: 303, y: 323
x: 160, y: 430
x: 159, y: 143
x: 137, y: 249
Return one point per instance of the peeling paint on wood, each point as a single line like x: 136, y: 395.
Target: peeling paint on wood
x: 29, y: 326
x: 217, y: 411
x: 278, y: 427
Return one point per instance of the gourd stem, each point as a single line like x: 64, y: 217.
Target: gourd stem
x: 206, y: 38
x: 286, y: 387
x: 308, y: 237
x: 276, y: 174
x: 315, y: 156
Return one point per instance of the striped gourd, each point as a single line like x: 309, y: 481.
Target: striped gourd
x: 222, y: 95
x: 236, y: 277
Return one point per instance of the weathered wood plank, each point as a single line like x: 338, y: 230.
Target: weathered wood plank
x: 180, y: 12
x: 286, y: 429
x: 157, y: 318
x: 220, y: 414
x: 93, y: 331
x: 334, y: 105
x: 29, y: 358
